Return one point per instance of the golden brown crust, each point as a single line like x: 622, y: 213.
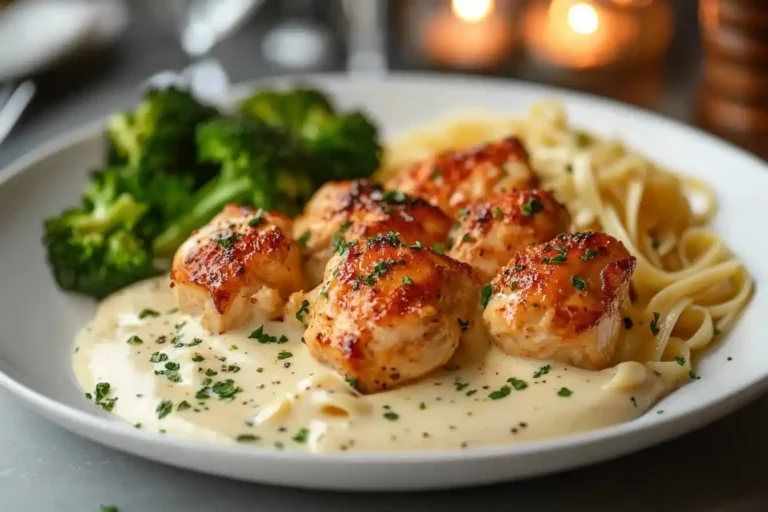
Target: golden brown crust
x: 388, y: 313
x: 562, y: 299
x: 358, y: 210
x: 491, y: 231
x: 452, y: 178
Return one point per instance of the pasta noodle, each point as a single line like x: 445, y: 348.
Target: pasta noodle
x: 688, y: 286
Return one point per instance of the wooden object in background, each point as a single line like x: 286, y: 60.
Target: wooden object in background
x: 734, y: 100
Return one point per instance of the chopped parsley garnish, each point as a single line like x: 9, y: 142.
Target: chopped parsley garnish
x: 227, y: 242
x: 583, y: 139
x: 500, y: 393
x: 257, y: 218
x: 485, y: 295
x: 565, y: 392
x: 422, y: 406
x: 301, y: 436
x: 460, y: 385
x: 680, y: 360
x: 195, y: 342
x: 109, y: 508
x: 226, y: 389
x: 531, y: 207
x: 467, y: 238
x: 210, y: 372
x: 542, y: 371
x: 436, y: 173
x: 518, y: 268
x: 260, y: 336
x: 518, y: 384
x: 391, y: 415
x: 345, y: 246
x: 135, y: 340
x: 589, y: 254
x: 391, y: 239
x: 247, y: 438
x: 101, y: 394
x: 394, y: 197
x: 158, y: 357
x: 407, y: 280
x: 303, y: 240
x: 497, y: 213
x: 338, y: 239
x: 463, y: 213
x: 352, y: 382
x: 303, y: 309
x: 183, y: 406
x: 693, y: 375
x: 416, y: 247
x: 172, y: 366
x: 463, y: 325
x: 198, y: 358
x: 654, y: 325
x: 628, y: 323
x: 148, y: 313
x: 439, y: 248
x: 560, y: 257
x: 579, y: 283
x: 284, y: 355
x: 164, y: 408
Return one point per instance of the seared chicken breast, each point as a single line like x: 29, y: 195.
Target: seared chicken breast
x: 451, y: 179
x: 491, y: 231
x: 244, y: 261
x: 562, y: 300
x: 357, y: 210
x: 388, y: 312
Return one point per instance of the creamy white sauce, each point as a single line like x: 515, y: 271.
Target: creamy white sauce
x: 289, y: 401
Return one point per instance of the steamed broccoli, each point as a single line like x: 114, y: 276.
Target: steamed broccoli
x: 337, y: 146
x: 92, y: 249
x: 259, y: 165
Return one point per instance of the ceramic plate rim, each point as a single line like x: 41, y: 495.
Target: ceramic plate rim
x: 115, y: 427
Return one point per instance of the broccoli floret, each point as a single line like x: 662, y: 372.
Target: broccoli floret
x: 336, y: 146
x: 260, y: 165
x: 92, y: 249
x: 159, y: 135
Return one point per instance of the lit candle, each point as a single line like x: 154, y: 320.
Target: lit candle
x: 586, y: 34
x: 471, y: 35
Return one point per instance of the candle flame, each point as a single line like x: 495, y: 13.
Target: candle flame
x: 472, y: 10
x: 583, y: 18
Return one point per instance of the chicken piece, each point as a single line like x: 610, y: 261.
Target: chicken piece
x: 388, y: 313
x: 451, y: 179
x: 491, y: 231
x: 241, y: 262
x: 562, y: 300
x: 357, y: 210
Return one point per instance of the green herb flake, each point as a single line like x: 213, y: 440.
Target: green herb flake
x: 589, y: 254
x: 439, y: 248
x: 210, y: 372
x: 394, y: 197
x: 654, y: 325
x: 416, y: 247
x: 158, y: 357
x: 436, y: 173
x: 198, y: 358
x: 135, y: 340
x: 579, y: 283
x: 226, y: 389
x: 485, y: 295
x: 500, y: 393
x: 148, y: 313
x: 172, y: 366
x: 257, y: 218
x: 407, y: 280
x: 467, y: 238
x: 303, y: 240
x: 284, y: 355
x: 304, y: 308
x: 459, y: 384
x: 531, y: 207
x: 228, y: 242
x: 301, y: 436
x: 564, y: 392
x: 463, y: 325
x: 680, y: 360
x: 692, y: 375
x: 422, y: 406
x: 518, y: 384
x: 247, y: 438
x: 351, y: 382
x: 183, y: 406
x: 260, y: 336
x: 109, y: 508
x: 542, y: 371
x: 463, y: 213
x: 560, y: 257
x: 497, y: 213
x: 391, y: 415
x: 164, y: 408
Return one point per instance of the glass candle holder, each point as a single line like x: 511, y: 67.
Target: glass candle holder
x: 469, y: 35
x: 594, y: 34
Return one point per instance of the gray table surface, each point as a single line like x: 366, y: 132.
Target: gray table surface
x: 721, y: 468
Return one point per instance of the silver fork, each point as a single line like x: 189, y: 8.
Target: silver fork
x: 14, y: 98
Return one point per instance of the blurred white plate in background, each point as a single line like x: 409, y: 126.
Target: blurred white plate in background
x: 35, y: 35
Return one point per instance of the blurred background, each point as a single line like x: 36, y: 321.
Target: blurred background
x: 704, y: 62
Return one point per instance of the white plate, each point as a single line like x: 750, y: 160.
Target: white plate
x: 34, y: 35
x: 37, y: 321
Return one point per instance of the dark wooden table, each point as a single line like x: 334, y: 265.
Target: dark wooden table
x: 721, y: 468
